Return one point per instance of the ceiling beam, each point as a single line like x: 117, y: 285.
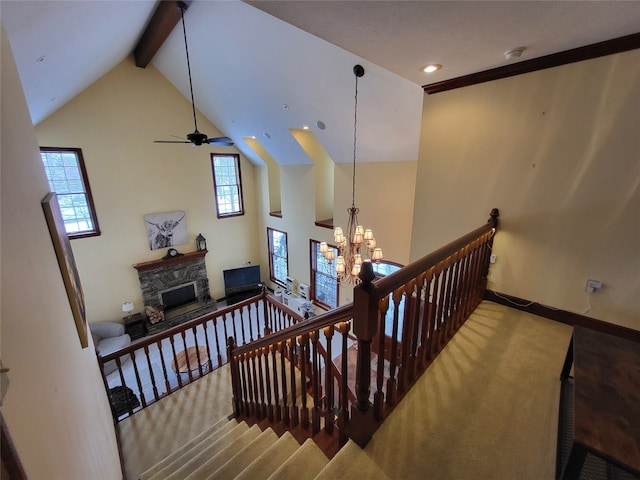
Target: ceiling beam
x: 162, y: 23
x: 608, y: 47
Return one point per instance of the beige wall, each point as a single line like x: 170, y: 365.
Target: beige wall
x: 115, y: 122
x: 558, y: 152
x: 54, y: 406
x: 384, y: 194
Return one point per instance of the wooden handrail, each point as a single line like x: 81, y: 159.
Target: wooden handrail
x: 332, y: 317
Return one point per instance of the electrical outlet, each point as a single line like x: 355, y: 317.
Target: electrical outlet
x: 593, y: 285
x: 492, y: 258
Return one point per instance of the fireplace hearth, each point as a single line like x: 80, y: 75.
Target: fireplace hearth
x: 179, y: 286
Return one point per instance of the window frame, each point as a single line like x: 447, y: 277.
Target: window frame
x: 314, y: 251
x: 236, y: 158
x: 95, y: 231
x: 270, y: 247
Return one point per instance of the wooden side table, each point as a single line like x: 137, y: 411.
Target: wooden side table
x: 187, y: 360
x: 134, y: 326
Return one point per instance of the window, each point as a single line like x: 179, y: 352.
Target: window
x: 227, y: 184
x: 67, y: 177
x: 278, y: 256
x: 324, y: 281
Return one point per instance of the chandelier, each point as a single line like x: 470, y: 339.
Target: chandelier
x: 357, y: 244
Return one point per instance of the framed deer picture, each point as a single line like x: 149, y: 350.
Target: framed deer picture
x: 166, y: 229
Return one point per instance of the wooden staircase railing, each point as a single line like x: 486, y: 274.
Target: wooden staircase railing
x: 290, y: 377
x: 144, y: 368
x: 276, y: 378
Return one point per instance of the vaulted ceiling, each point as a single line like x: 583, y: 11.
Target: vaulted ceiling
x: 261, y: 68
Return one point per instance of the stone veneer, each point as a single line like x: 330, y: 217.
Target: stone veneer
x: 159, y: 275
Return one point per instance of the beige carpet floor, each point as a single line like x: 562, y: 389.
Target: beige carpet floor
x: 487, y: 408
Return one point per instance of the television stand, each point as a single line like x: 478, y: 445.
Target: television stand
x: 237, y: 295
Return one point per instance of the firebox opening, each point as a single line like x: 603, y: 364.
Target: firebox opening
x: 178, y: 296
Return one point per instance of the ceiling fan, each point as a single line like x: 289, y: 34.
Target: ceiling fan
x: 195, y: 138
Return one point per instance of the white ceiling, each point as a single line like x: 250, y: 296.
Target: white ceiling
x: 248, y: 64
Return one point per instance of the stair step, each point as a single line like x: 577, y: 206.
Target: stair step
x: 349, y: 463
x: 211, y: 459
x: 200, y: 452
x: 206, y: 438
x: 237, y: 463
x: 272, y: 458
x: 305, y: 463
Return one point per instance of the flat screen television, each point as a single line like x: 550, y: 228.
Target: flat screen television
x: 241, y: 279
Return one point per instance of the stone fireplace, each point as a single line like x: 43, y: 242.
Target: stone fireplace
x: 179, y: 286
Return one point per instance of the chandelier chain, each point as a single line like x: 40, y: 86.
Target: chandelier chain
x: 355, y: 137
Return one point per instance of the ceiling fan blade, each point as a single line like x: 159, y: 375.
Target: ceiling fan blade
x: 171, y: 141
x: 223, y: 141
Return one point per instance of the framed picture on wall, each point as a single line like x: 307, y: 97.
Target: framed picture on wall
x: 67, y: 264
x: 166, y: 229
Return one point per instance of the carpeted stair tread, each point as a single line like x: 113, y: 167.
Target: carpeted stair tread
x: 272, y: 458
x: 190, y: 461
x: 305, y: 463
x: 210, y: 460
x: 202, y: 440
x: 238, y: 462
x: 351, y: 462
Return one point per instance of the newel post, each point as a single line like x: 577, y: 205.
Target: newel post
x: 365, y: 327
x: 235, y: 377
x: 493, y: 221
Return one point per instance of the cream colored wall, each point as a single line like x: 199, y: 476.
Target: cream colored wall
x: 55, y: 407
x: 114, y: 122
x: 558, y: 152
x: 384, y: 194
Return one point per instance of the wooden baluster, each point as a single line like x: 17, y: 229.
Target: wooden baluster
x: 235, y: 378
x: 241, y: 319
x: 407, y: 351
x: 453, y: 296
x: 214, y: 322
x: 450, y: 298
x: 392, y: 381
x: 151, y: 374
x: 378, y: 396
x: 292, y: 374
x: 255, y: 400
x: 163, y: 363
x: 315, y: 383
x: 283, y: 375
x: 246, y: 386
x: 329, y: 400
x: 250, y: 322
x: 267, y: 312
x: 232, y: 314
x: 175, y: 360
x: 209, y: 363
x: 277, y: 410
x: 262, y: 406
x: 343, y: 413
x: 426, y: 320
x: 446, y: 302
x: 304, y: 411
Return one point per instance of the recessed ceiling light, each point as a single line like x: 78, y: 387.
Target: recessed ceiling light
x: 266, y: 135
x: 285, y: 106
x: 41, y: 59
x: 320, y: 124
x: 432, y: 67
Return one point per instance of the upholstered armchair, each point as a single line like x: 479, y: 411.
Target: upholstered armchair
x: 107, y: 338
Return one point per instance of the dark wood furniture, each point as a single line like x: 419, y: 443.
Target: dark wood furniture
x: 134, y: 326
x: 606, y: 372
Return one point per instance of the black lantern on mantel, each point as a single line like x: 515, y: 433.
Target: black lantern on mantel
x: 201, y: 243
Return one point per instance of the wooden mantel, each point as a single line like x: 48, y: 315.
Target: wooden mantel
x: 185, y: 257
